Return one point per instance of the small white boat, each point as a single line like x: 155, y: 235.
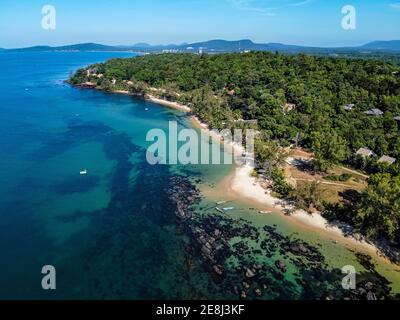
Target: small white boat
x: 228, y: 208
x: 147, y: 109
x: 221, y: 202
x: 265, y: 212
x: 83, y: 172
x: 219, y: 209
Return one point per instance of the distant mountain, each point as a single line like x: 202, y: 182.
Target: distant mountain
x: 75, y: 47
x: 218, y: 46
x: 142, y: 44
x: 240, y: 45
x: 393, y: 45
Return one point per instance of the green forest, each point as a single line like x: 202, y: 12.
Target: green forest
x: 296, y: 99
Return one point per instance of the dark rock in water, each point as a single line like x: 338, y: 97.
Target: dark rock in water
x: 369, y: 285
x: 265, y: 286
x: 361, y: 291
x: 371, y: 296
x: 218, y: 270
x: 235, y: 290
x: 303, y: 249
x: 250, y: 273
x: 205, y: 250
x: 279, y: 276
x: 233, y: 251
x: 280, y: 265
x: 258, y: 292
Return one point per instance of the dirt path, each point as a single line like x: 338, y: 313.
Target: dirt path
x: 324, y: 182
x: 355, y: 172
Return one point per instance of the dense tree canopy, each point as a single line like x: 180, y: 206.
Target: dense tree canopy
x: 259, y: 85
x: 297, y: 99
x: 379, y: 210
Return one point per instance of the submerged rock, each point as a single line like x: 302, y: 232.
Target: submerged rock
x: 218, y: 270
x: 280, y: 264
x: 258, y: 292
x: 250, y: 273
x: 371, y: 296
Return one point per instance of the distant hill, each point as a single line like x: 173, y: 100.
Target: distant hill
x: 75, y: 47
x: 218, y: 46
x: 142, y: 44
x: 240, y: 45
x: 393, y: 45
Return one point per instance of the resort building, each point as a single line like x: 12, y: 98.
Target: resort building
x: 288, y: 107
x: 349, y: 107
x: 365, y: 152
x: 249, y: 122
x: 387, y: 159
x: 374, y: 112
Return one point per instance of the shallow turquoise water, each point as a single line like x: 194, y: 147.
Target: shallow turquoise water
x: 109, y: 234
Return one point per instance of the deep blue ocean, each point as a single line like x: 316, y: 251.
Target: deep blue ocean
x: 109, y: 234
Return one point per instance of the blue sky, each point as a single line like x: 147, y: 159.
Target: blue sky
x: 303, y: 22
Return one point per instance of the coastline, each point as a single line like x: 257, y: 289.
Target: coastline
x: 243, y: 185
x: 151, y: 98
x: 240, y: 183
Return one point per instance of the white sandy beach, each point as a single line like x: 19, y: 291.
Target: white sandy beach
x: 244, y: 185
x: 174, y: 105
x: 170, y: 104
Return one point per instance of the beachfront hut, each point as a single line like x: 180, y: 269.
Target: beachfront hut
x: 349, y: 107
x: 387, y: 159
x: 250, y: 122
x: 374, y: 112
x: 288, y: 107
x: 365, y: 152
x: 397, y: 119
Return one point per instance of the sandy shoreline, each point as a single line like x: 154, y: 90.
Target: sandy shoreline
x: 174, y: 105
x: 170, y: 104
x: 241, y: 183
x: 244, y: 186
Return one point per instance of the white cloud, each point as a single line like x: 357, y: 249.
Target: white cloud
x: 261, y: 7
x: 395, y: 5
x: 299, y: 4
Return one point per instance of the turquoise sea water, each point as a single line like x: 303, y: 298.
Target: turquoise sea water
x: 112, y: 233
